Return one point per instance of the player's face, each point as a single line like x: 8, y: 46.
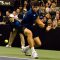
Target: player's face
x: 35, y: 8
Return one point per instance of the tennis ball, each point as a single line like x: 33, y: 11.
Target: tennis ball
x: 6, y: 41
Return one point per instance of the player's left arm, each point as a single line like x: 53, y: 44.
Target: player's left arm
x: 39, y: 22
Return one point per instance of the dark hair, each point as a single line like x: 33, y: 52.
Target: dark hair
x: 34, y: 3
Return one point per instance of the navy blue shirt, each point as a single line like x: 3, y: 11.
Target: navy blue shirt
x: 29, y: 18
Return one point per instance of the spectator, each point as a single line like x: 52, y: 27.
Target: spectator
x: 25, y: 5
x: 18, y: 11
x: 15, y: 15
x: 49, y: 22
x: 47, y: 8
x: 49, y: 3
x: 6, y: 18
x: 58, y: 18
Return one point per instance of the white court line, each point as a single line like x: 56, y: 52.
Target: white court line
x: 13, y: 57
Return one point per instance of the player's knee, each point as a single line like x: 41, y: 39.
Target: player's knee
x: 40, y: 44
x: 28, y: 32
x: 38, y: 41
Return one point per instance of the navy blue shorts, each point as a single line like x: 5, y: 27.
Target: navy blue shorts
x: 35, y: 30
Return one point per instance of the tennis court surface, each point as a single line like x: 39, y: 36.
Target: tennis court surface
x: 12, y: 58
x: 15, y: 53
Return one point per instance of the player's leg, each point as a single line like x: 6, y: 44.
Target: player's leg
x: 36, y: 30
x: 37, y: 41
x: 29, y: 35
x: 30, y: 40
x: 22, y: 40
x: 11, y: 38
x: 25, y: 49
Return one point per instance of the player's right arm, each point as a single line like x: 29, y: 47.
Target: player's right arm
x: 39, y: 22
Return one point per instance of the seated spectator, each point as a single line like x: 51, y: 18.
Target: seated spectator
x: 53, y: 15
x: 58, y: 18
x: 53, y: 11
x: 15, y: 15
x: 57, y: 15
x: 49, y: 3
x: 6, y: 18
x: 18, y: 11
x: 25, y: 5
x: 49, y: 22
x: 47, y: 8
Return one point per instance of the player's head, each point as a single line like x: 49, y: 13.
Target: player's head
x: 11, y: 18
x: 35, y: 5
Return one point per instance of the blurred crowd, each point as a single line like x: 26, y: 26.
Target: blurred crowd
x: 48, y: 12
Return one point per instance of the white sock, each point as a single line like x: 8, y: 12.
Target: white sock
x: 32, y: 49
x: 27, y: 47
x: 22, y: 47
